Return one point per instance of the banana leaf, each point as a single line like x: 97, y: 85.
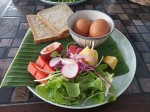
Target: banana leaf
x: 17, y: 74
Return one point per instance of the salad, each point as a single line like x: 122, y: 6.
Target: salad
x: 73, y: 75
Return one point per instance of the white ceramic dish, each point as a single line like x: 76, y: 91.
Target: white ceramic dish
x: 69, y: 3
x: 120, y: 82
x: 89, y: 15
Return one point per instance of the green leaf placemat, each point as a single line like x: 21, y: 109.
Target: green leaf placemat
x: 17, y: 74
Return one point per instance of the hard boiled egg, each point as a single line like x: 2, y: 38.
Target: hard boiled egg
x: 99, y: 28
x: 82, y: 26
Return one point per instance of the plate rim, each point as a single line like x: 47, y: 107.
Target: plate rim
x: 68, y: 3
x: 96, y: 105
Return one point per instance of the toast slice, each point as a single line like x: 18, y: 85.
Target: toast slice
x: 56, y: 18
x: 40, y: 31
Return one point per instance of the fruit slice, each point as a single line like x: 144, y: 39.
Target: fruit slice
x: 32, y: 68
x: 74, y: 49
x: 90, y: 56
x: 70, y: 71
x: 41, y: 75
x: 55, y: 61
x: 40, y: 62
x: 111, y: 61
x: 48, y: 68
x: 79, y: 50
x: 46, y: 52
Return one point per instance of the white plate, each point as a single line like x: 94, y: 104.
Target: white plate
x: 120, y: 82
x: 69, y: 3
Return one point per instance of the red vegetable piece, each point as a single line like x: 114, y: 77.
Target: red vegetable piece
x: 32, y: 68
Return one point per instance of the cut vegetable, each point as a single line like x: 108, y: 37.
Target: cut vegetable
x: 111, y: 61
x: 55, y: 61
x: 70, y: 71
x: 67, y: 61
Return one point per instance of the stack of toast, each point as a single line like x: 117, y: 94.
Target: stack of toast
x: 50, y: 24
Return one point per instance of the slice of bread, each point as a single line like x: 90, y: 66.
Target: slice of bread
x: 56, y: 18
x: 40, y: 31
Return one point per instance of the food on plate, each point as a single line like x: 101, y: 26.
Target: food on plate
x: 95, y: 28
x: 111, y: 61
x: 40, y: 62
x: 70, y: 77
x: 32, y: 68
x: 56, y: 18
x: 90, y: 56
x: 70, y: 70
x: 50, y: 24
x: 40, y: 31
x: 41, y: 75
x: 74, y: 49
x: 54, y: 62
x: 82, y: 26
x: 46, y: 51
x: 35, y: 69
x: 99, y: 28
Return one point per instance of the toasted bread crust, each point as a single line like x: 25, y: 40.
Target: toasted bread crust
x: 66, y: 14
x: 44, y: 30
x: 31, y: 27
x: 35, y: 35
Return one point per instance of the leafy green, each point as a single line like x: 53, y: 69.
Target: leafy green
x: 84, y: 87
x: 72, y: 89
x: 101, y: 69
x: 60, y: 91
x: 54, y: 54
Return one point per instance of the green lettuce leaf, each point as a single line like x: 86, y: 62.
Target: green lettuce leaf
x: 73, y: 89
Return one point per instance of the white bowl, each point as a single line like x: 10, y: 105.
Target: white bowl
x: 90, y: 15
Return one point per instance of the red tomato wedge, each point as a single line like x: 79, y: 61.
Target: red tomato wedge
x: 32, y: 68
